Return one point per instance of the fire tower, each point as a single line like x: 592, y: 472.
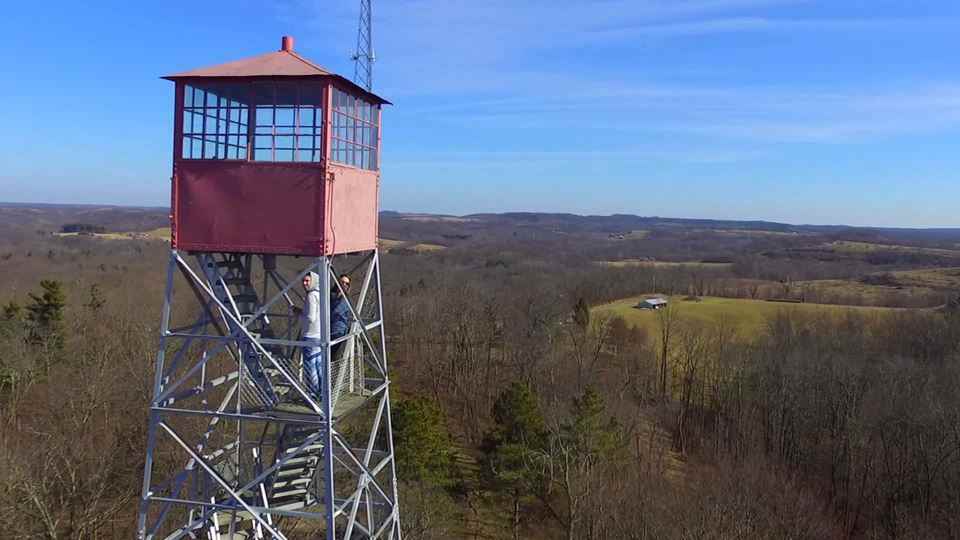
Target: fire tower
x: 275, y: 176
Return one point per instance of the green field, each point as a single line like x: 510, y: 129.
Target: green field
x: 849, y: 246
x: 163, y: 233
x: 747, y: 316
x: 935, y: 278
x: 665, y: 264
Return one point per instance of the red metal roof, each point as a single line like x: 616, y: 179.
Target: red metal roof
x: 282, y: 63
x: 275, y: 64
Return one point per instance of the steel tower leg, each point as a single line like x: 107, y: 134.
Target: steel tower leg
x: 239, y: 444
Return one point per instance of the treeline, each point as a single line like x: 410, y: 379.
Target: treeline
x: 840, y: 426
x: 518, y: 414
x: 83, y: 228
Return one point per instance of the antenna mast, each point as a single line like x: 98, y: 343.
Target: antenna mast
x: 364, y: 57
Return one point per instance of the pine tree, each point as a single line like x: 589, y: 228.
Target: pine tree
x: 45, y: 313
x: 96, y: 301
x: 511, y: 445
x: 12, y: 311
x: 422, y: 443
x: 581, y: 314
x: 592, y: 436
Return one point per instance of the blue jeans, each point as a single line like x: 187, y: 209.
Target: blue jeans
x: 313, y: 368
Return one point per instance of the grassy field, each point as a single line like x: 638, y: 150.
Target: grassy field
x: 849, y: 246
x: 665, y: 264
x: 386, y: 245
x: 162, y: 233
x: 869, y: 293
x: 747, y: 316
x: 934, y: 278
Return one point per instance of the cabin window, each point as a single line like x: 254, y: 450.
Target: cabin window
x: 214, y: 122
x: 288, y: 122
x: 355, y: 131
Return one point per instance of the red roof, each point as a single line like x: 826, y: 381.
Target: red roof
x: 282, y: 63
x: 275, y: 64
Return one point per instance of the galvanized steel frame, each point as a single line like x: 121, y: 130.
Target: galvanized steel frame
x: 370, y: 475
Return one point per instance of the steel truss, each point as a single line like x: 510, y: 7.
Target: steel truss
x: 363, y: 56
x: 239, y: 445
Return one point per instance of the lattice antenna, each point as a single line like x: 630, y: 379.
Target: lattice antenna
x: 364, y: 57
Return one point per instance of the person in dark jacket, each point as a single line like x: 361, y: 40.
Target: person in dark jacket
x: 339, y: 314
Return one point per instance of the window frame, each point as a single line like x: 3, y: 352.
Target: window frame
x: 315, y: 132
x: 351, y: 133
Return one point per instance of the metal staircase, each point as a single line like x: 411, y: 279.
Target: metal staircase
x: 262, y: 454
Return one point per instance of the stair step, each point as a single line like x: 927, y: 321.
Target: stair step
x: 290, y: 472
x: 300, y: 462
x: 284, y: 484
x: 287, y: 493
x: 308, y: 449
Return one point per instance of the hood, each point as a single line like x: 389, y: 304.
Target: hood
x: 314, y: 281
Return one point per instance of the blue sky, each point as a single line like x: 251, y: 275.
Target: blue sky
x: 830, y: 111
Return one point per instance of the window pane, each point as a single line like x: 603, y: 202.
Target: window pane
x: 264, y: 141
x: 306, y: 116
x: 284, y: 117
x: 264, y: 116
x: 284, y: 155
x: 284, y: 142
x: 305, y: 142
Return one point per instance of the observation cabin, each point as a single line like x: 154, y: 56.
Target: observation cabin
x: 274, y: 154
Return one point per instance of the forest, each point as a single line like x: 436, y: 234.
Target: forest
x: 522, y: 409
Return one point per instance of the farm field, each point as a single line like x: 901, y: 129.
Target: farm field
x: 840, y: 291
x: 665, y: 264
x: 160, y: 233
x: 747, y: 316
x: 387, y: 245
x: 934, y: 278
x: 849, y: 246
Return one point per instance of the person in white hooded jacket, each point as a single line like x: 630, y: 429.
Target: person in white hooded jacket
x: 312, y: 331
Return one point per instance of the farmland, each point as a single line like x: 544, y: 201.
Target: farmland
x: 746, y: 316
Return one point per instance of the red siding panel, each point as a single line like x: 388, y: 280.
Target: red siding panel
x: 352, y: 209
x: 248, y: 207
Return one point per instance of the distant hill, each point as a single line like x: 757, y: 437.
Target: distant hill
x: 436, y: 227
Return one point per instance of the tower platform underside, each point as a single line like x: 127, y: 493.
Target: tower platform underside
x: 241, y: 444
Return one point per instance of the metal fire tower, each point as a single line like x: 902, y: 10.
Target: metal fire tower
x: 275, y: 176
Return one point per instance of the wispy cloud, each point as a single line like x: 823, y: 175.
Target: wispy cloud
x: 700, y: 27
x: 477, y: 65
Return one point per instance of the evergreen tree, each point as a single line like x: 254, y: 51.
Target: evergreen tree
x: 589, y: 434
x: 422, y: 443
x: 510, y: 447
x: 581, y: 314
x: 12, y: 311
x: 45, y: 313
x: 96, y: 301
